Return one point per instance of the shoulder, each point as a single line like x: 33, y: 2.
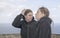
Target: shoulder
x: 46, y: 19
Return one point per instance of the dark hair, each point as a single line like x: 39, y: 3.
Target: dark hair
x: 44, y: 11
x: 27, y: 11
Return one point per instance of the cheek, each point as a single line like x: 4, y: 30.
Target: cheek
x: 27, y: 17
x: 37, y: 16
x: 30, y: 17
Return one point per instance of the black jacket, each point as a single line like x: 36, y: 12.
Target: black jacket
x: 27, y: 28
x: 44, y: 28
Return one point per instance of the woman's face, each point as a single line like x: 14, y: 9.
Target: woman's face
x: 38, y: 15
x: 29, y: 17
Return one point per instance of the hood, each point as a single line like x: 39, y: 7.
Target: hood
x: 46, y: 19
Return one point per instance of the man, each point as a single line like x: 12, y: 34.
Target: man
x: 44, y: 23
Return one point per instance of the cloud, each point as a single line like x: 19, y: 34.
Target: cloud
x: 9, y: 11
x: 16, y: 2
x: 55, y: 13
x: 10, y: 8
x: 12, y: 0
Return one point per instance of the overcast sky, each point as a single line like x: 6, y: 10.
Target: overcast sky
x: 10, y: 8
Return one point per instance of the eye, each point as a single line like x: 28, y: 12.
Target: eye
x: 30, y: 15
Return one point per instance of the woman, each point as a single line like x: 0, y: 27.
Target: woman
x: 44, y: 23
x: 27, y: 24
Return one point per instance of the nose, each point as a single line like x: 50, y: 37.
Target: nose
x: 35, y: 13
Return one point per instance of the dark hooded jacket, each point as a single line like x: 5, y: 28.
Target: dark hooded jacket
x: 27, y: 28
x: 44, y: 28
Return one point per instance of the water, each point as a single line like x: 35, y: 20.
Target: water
x: 57, y: 28
x: 9, y: 29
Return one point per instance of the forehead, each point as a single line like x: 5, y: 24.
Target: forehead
x: 38, y: 11
x: 30, y: 13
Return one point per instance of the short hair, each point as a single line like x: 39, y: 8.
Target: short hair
x: 44, y: 11
x: 27, y: 11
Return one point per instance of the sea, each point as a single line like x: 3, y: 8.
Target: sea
x: 6, y: 28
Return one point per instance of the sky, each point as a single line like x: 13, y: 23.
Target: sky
x: 9, y: 9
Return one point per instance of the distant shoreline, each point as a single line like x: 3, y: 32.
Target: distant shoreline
x: 17, y: 35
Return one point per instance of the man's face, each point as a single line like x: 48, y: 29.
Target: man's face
x: 29, y: 17
x: 38, y: 15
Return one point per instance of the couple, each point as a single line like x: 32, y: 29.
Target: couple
x: 31, y: 28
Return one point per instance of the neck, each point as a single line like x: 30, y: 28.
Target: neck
x: 27, y: 20
x: 40, y: 17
